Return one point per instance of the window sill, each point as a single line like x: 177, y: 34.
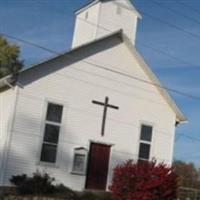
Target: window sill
x: 78, y: 173
x: 46, y: 164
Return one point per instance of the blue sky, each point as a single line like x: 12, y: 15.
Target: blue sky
x: 50, y: 23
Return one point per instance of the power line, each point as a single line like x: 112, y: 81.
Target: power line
x: 177, y: 137
x: 188, y: 6
x: 107, y: 69
x: 121, y: 73
x: 183, y: 135
x: 168, y: 55
x: 157, y: 19
x: 140, y: 43
x: 197, y: 36
x: 29, y: 43
x: 145, y: 45
x: 147, y: 82
x: 93, y: 114
x: 194, y: 156
x: 175, y: 11
x: 190, y: 137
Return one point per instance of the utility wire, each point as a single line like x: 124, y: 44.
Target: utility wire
x: 188, y: 6
x: 197, y: 36
x: 121, y: 73
x: 183, y: 135
x: 190, y: 137
x: 178, y: 136
x: 29, y: 43
x: 140, y: 43
x: 168, y: 55
x: 145, y: 45
x: 54, y: 52
x: 175, y: 11
x: 105, y: 68
x: 162, y: 52
x: 194, y: 35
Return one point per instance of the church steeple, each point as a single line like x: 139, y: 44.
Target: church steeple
x: 101, y: 17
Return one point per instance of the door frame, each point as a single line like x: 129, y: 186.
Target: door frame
x: 88, y: 157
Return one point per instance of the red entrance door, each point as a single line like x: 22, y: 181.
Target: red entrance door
x: 98, y: 166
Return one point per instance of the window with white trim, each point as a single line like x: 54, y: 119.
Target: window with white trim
x: 51, y: 133
x: 79, y: 162
x: 145, y: 142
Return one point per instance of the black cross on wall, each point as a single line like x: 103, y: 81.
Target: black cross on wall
x: 106, y: 105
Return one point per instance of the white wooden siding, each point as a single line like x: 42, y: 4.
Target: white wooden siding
x: 110, y: 20
x: 85, y: 29
x: 7, y: 101
x: 76, y: 85
x: 102, y: 20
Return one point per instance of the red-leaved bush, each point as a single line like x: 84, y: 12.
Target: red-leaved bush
x: 144, y: 181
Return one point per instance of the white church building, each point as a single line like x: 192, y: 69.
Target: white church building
x: 79, y: 114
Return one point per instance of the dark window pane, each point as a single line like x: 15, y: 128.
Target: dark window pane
x: 146, y: 133
x: 51, y: 133
x: 48, y: 153
x: 79, y: 161
x: 142, y: 162
x: 144, y: 151
x: 54, y: 112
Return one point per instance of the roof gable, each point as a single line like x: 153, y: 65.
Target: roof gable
x: 155, y: 81
x: 122, y: 38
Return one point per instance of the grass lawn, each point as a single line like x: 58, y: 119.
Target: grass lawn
x: 65, y: 194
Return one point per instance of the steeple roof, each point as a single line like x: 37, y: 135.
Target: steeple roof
x: 127, y: 5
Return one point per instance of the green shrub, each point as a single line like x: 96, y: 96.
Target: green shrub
x: 42, y: 185
x: 38, y: 184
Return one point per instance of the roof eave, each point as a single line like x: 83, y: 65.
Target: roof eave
x: 133, y: 9
x: 91, y: 3
x: 117, y: 33
x: 180, y: 117
x: 7, y: 81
